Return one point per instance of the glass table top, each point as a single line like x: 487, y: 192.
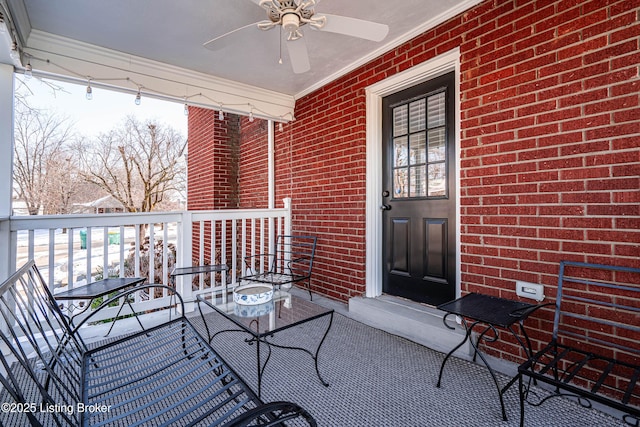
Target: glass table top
x: 283, y: 311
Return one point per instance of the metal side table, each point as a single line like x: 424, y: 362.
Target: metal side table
x: 490, y: 313
x: 98, y: 289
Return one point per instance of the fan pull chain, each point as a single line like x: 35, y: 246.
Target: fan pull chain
x: 280, y: 60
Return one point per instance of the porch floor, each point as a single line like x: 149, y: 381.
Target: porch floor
x: 380, y: 379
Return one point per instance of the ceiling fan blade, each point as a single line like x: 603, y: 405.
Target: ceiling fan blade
x: 219, y: 42
x: 355, y: 27
x: 298, y: 55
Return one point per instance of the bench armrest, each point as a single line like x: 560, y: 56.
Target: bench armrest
x: 273, y: 414
x: 126, y: 294
x: 523, y: 313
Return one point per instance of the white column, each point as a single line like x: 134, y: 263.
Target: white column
x: 7, y: 255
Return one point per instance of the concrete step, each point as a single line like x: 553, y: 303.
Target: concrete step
x: 414, y: 321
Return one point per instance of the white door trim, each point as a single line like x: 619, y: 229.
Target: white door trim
x: 435, y: 67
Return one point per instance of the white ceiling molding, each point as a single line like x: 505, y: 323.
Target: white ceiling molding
x: 72, y: 60
x: 398, y: 41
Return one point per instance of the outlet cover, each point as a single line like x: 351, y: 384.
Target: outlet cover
x: 530, y: 290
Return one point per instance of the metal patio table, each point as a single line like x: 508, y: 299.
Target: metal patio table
x: 262, y: 322
x: 490, y: 313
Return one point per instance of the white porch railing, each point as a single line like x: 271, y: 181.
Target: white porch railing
x: 72, y: 250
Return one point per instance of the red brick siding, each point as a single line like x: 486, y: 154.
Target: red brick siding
x: 253, y: 164
x: 211, y: 167
x: 322, y: 168
x: 212, y: 160
x: 550, y: 143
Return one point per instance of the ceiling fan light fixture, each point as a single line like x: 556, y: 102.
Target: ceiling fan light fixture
x: 290, y: 22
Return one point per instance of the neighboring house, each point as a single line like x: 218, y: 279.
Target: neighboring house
x: 106, y: 204
x: 498, y: 143
x: 19, y: 207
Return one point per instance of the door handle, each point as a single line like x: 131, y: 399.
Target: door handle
x: 385, y: 207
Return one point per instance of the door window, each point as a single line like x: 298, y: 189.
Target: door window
x: 419, y: 148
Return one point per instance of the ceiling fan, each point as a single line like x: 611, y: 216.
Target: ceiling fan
x: 291, y: 15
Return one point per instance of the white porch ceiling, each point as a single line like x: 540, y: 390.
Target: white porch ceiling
x: 150, y: 33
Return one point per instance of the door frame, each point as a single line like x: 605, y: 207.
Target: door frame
x: 435, y: 67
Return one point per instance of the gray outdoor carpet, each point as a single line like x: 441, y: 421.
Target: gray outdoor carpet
x: 378, y: 379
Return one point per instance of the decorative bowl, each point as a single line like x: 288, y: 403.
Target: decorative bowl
x: 254, y: 310
x: 253, y: 294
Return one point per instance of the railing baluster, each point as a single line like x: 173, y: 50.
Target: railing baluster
x: 137, y: 251
x: 32, y: 243
x: 165, y: 256
x: 88, y: 246
x: 52, y: 258
x: 262, y: 247
x: 201, y: 245
x: 223, y: 241
x: 234, y: 248
x: 122, y: 268
x: 253, y: 245
x: 105, y: 251
x: 71, y: 232
x: 151, y: 255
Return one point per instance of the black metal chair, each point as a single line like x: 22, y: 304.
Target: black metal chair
x: 291, y: 262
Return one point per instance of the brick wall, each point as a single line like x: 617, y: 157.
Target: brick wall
x: 212, y: 160
x: 320, y: 164
x: 253, y: 174
x: 212, y: 168
x: 550, y: 143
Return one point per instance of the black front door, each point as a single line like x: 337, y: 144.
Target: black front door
x: 419, y: 192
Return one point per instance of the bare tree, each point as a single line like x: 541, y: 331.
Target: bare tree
x: 40, y: 139
x: 139, y: 164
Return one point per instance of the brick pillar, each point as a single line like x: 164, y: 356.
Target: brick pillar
x: 212, y: 162
x: 212, y: 169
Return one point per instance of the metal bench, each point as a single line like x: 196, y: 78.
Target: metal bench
x: 164, y: 375
x: 594, y: 353
x: 291, y: 263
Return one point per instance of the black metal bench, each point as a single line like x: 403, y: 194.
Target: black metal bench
x: 164, y: 375
x: 594, y: 353
x: 291, y: 263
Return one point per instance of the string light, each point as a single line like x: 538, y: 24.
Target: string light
x: 239, y: 108
x: 89, y: 94
x: 28, y: 70
x: 186, y: 107
x: 14, y: 54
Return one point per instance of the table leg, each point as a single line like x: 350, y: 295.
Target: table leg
x: 314, y: 355
x: 486, y: 363
x: 444, y: 362
x: 115, y: 319
x: 260, y: 367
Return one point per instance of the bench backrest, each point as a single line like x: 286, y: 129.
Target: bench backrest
x: 598, y: 309
x: 294, y: 255
x: 41, y: 359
